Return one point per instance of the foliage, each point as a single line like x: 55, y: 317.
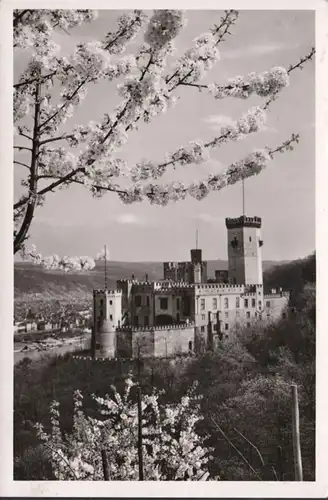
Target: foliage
x: 151, y: 78
x: 172, y: 450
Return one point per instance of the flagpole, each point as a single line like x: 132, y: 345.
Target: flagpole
x: 243, y: 192
x: 105, y: 267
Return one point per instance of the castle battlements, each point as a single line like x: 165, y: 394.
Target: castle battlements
x: 243, y: 221
x: 107, y: 292
x: 276, y: 295
x: 218, y: 289
x: 175, y: 326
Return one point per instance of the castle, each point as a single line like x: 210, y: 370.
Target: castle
x: 187, y: 313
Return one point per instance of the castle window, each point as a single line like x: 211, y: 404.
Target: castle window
x: 202, y: 329
x: 226, y: 303
x: 237, y: 302
x: 214, y: 328
x: 248, y: 314
x: 250, y: 238
x: 111, y: 317
x: 147, y: 300
x: 226, y: 315
x: 203, y: 317
x: 202, y: 304
x: 260, y: 304
x: 163, y: 303
x: 226, y: 326
x: 267, y: 304
x: 137, y: 300
x: 190, y: 346
x: 253, y: 303
x: 178, y: 304
x: 248, y: 325
x: 110, y: 302
x: 246, y: 302
x: 215, y: 304
x: 260, y: 316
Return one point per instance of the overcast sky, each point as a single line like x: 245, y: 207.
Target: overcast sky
x: 72, y: 222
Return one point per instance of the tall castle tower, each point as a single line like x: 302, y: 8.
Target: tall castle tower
x: 244, y: 250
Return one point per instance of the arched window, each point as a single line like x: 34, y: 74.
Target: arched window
x: 237, y: 302
x: 190, y: 346
x: 226, y: 303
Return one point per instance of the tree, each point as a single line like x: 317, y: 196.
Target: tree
x: 149, y: 88
x: 172, y: 450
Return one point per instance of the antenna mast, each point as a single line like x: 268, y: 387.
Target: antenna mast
x: 105, y: 257
x: 243, y: 192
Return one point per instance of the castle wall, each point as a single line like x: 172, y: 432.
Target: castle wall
x: 143, y: 343
x: 173, y: 341
x: 275, y: 305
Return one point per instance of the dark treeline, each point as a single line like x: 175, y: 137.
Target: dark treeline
x: 244, y: 384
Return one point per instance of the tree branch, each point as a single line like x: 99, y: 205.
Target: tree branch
x: 54, y: 139
x: 23, y: 147
x: 22, y: 233
x: 23, y: 164
x: 33, y: 80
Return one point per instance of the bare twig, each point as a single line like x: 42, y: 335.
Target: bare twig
x: 236, y: 449
x: 251, y: 444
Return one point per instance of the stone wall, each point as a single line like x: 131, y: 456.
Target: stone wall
x: 173, y: 341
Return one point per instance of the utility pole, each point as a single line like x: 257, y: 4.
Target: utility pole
x: 140, y: 455
x: 296, y: 435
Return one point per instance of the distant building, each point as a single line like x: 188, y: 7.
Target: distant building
x: 186, y: 313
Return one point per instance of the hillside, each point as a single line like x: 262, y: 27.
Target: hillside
x: 292, y: 276
x: 30, y: 279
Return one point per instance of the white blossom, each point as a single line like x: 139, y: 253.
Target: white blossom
x: 164, y: 26
x: 168, y: 453
x: 263, y: 84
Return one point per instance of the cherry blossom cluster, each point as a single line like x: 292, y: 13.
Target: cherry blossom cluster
x: 56, y: 161
x: 34, y: 28
x: 163, y: 27
x: 128, y: 26
x: 262, y: 84
x: 172, y: 449
x: 197, y: 151
x: 66, y: 264
x: 162, y: 194
x: 196, y: 61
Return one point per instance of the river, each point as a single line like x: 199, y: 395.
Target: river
x: 70, y: 346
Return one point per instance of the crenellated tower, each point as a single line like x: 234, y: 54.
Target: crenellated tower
x: 107, y: 316
x: 244, y: 250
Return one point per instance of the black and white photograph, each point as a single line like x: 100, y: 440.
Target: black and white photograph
x: 164, y: 246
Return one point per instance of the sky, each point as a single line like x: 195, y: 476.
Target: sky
x: 71, y: 222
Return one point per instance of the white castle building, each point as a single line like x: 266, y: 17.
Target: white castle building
x: 186, y: 312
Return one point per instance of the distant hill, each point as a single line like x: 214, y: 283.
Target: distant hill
x: 291, y: 276
x: 31, y: 279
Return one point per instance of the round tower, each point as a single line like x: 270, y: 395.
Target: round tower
x: 107, y: 340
